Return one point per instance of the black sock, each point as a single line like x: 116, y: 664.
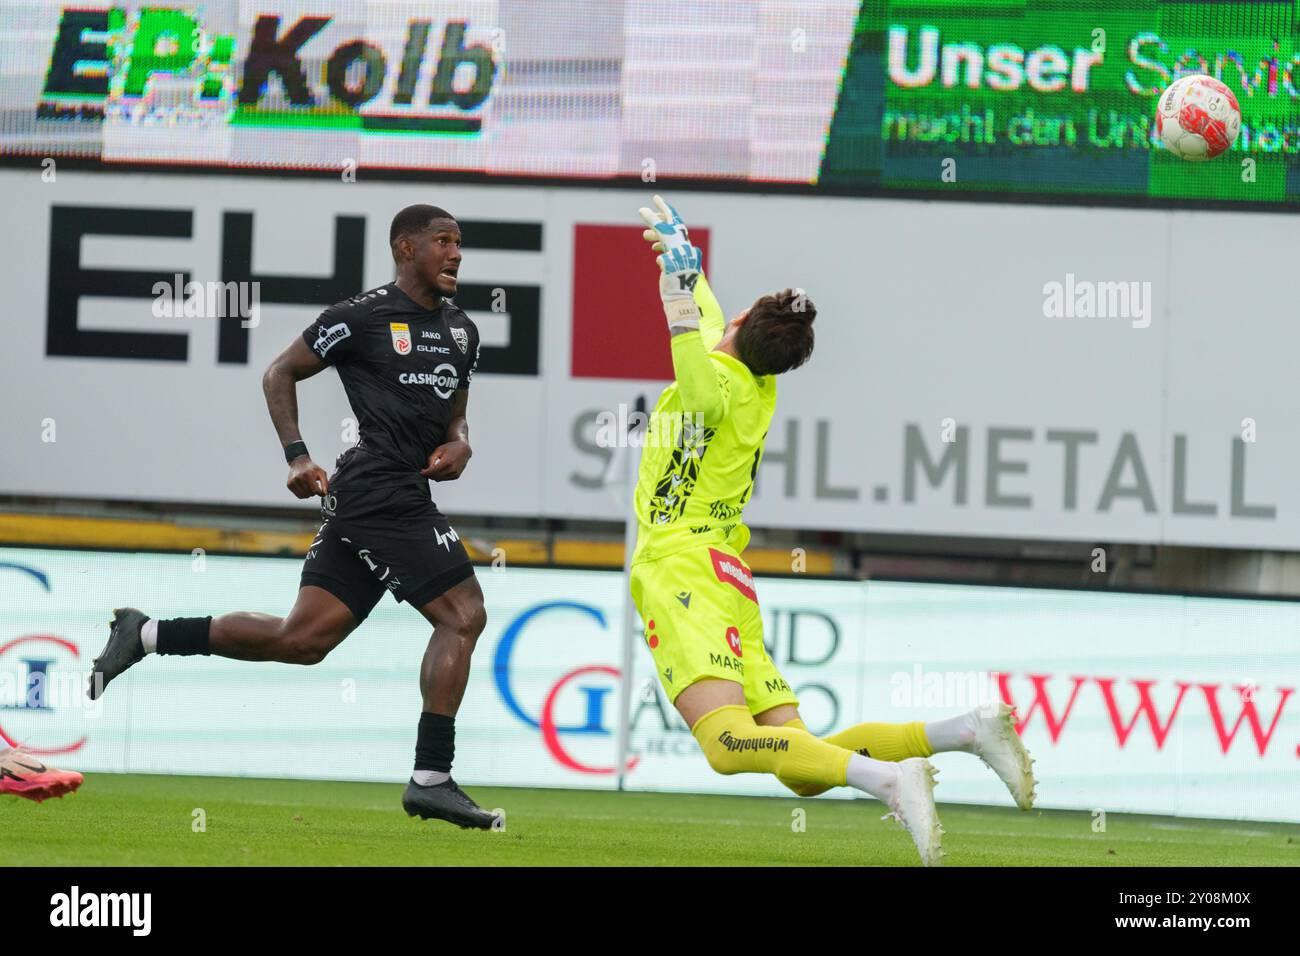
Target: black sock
x: 435, y: 744
x: 184, y: 635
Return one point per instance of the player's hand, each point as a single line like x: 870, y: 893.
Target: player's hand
x: 664, y: 227
x: 306, y: 478
x: 448, y: 461
x: 680, y: 264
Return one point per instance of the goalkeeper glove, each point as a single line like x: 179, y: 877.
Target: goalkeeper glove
x: 680, y: 264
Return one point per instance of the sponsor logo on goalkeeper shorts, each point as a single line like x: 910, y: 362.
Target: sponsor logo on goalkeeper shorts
x: 732, y: 570
x: 733, y: 641
x: 737, y: 744
x: 726, y: 662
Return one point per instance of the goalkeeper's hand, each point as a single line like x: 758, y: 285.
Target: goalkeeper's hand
x: 679, y: 262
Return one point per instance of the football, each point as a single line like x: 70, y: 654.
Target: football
x: 1197, y: 117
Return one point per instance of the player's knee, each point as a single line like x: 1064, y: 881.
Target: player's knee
x: 306, y: 646
x: 722, y: 761
x: 467, y: 621
x: 723, y: 736
x: 476, y: 620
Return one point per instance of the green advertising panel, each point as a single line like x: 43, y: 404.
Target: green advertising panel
x: 1058, y: 96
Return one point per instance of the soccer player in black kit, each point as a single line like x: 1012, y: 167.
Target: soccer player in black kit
x: 405, y: 354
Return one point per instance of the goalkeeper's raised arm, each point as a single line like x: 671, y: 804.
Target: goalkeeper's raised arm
x: 695, y: 320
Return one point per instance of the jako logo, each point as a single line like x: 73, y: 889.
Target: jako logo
x: 114, y: 61
x: 73, y: 909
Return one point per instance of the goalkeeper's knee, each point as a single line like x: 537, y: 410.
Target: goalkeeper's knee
x: 733, y: 743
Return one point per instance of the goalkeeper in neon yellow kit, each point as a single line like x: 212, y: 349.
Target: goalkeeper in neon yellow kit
x: 696, y: 596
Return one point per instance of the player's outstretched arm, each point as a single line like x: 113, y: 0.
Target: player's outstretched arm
x: 279, y: 385
x: 679, y: 263
x: 665, y: 227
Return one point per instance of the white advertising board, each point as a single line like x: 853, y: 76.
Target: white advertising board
x: 1129, y: 703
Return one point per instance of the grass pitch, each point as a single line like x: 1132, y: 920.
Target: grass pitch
x: 146, y: 820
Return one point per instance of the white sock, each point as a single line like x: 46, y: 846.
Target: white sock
x: 876, y: 777
x: 955, y: 733
x: 149, y: 636
x: 430, y: 778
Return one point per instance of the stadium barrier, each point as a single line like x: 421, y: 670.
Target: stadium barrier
x: 1130, y: 702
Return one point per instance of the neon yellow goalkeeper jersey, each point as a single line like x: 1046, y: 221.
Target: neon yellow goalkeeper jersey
x: 703, y: 446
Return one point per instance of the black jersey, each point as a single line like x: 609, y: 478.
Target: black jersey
x: 401, y: 366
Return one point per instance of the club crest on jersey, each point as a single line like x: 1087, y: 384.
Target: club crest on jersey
x: 401, y: 333
x: 462, y: 339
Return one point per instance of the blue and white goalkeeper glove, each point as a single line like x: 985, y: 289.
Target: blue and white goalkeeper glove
x: 680, y: 264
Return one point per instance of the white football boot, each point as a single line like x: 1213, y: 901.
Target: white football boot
x: 1000, y: 747
x: 913, y: 807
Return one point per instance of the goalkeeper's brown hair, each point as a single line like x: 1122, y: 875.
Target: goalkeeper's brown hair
x: 778, y: 333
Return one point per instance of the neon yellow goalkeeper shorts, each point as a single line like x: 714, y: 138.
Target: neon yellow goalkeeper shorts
x: 700, y: 615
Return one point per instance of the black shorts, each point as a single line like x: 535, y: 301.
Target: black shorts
x: 409, y: 549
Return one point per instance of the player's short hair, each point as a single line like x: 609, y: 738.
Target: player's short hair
x: 415, y: 219
x: 778, y: 334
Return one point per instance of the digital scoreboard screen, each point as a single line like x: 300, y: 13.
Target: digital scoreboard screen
x: 1040, y: 97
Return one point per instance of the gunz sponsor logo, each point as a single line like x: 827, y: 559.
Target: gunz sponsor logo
x: 75, y: 909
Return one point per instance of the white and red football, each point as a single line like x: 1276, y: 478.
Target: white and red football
x: 1198, y: 117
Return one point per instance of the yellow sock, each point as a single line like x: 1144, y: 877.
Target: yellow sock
x: 733, y: 743
x: 891, y: 742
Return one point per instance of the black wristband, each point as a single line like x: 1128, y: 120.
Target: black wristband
x: 294, y: 449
